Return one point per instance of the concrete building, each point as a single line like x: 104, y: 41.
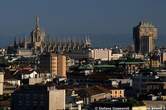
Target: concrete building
x: 132, y: 66
x: 48, y: 63
x: 105, y: 54
x: 61, y: 65
x: 144, y: 35
x: 102, y: 54
x: 53, y: 63
x: 1, y: 82
x: 163, y: 57
x: 82, y: 53
x: 24, y: 52
x: 38, y: 97
x: 147, y: 82
x: 93, y: 94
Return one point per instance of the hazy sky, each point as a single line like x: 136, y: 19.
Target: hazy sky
x: 77, y: 16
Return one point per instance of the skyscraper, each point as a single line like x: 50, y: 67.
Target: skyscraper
x: 144, y: 35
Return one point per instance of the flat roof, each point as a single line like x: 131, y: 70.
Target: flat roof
x: 132, y: 63
x: 104, y: 66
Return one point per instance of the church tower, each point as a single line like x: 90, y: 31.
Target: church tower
x: 37, y: 36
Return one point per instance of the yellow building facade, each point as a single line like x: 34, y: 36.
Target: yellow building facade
x: 1, y: 82
x: 117, y: 93
x: 61, y: 66
x: 54, y: 64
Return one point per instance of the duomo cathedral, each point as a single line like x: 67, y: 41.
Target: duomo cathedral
x: 38, y: 43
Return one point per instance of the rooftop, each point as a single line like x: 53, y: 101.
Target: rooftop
x: 118, y: 103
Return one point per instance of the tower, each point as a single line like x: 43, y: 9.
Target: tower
x: 144, y: 35
x: 37, y: 36
x: 37, y: 22
x: 36, y: 31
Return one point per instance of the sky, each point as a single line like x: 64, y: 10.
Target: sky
x: 116, y: 17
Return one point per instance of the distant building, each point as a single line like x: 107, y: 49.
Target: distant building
x: 102, y: 54
x: 34, y: 43
x: 155, y: 105
x: 106, y: 54
x: 11, y: 82
x: 10, y: 85
x: 117, y: 53
x: 24, y: 52
x: 93, y: 94
x: 144, y: 35
x: 163, y: 57
x: 38, y: 97
x: 38, y: 42
x: 122, y: 104
x: 147, y: 82
x: 61, y: 65
x: 2, y: 51
x: 117, y: 93
x: 1, y: 82
x: 25, y: 73
x: 53, y: 63
x: 48, y: 63
x: 37, y: 37
x: 155, y: 61
x: 132, y: 66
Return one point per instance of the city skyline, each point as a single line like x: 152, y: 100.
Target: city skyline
x: 111, y: 18
x: 82, y: 55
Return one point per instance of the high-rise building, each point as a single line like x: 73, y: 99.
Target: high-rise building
x: 53, y: 63
x: 38, y: 97
x: 144, y: 35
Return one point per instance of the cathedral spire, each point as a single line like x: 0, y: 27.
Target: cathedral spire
x: 37, y: 22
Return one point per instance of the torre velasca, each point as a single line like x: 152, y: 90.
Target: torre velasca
x: 145, y: 36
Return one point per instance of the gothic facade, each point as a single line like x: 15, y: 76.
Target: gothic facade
x: 38, y: 42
